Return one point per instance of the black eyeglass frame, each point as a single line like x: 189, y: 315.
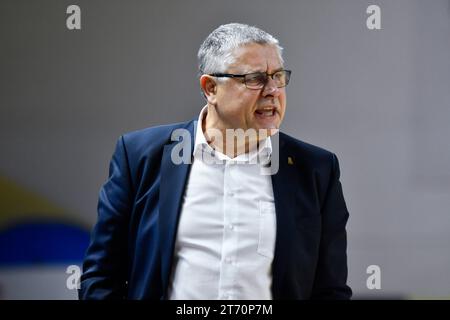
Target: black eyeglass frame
x: 230, y: 75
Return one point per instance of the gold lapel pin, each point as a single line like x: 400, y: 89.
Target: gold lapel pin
x: 290, y: 161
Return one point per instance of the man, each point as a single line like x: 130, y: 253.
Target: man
x: 220, y: 227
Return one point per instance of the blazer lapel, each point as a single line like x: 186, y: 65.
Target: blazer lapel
x: 284, y: 186
x: 172, y: 186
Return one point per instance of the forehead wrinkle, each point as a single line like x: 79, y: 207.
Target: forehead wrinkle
x: 253, y: 69
x: 245, y: 63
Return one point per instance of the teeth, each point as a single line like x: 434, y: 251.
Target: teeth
x: 266, y: 113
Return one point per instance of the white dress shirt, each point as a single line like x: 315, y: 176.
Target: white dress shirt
x: 226, y: 234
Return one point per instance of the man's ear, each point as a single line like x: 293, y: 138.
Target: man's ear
x: 209, y: 88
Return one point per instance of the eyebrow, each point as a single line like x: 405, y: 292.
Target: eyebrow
x: 276, y: 70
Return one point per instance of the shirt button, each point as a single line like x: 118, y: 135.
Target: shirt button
x: 230, y: 194
x: 230, y: 226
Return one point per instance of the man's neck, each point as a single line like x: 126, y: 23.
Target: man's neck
x: 212, y: 130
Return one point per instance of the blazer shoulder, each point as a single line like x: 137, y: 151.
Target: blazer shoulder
x: 305, y: 150
x: 148, y: 140
x: 313, y: 161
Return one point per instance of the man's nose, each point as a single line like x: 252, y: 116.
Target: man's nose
x: 271, y: 88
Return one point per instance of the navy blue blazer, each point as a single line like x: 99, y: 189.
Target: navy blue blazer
x: 132, y: 243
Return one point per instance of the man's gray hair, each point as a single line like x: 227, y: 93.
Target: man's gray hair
x: 215, y: 53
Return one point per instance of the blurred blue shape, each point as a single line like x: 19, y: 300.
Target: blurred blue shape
x: 42, y: 242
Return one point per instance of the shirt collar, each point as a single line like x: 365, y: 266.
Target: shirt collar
x: 201, y: 146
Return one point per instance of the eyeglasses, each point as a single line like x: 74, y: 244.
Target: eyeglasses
x: 258, y: 80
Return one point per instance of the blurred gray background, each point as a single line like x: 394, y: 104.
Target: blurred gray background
x: 379, y: 99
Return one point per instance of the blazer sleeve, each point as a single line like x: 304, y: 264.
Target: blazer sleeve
x: 331, y: 272
x: 105, y: 263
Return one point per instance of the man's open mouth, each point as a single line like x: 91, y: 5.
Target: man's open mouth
x: 266, y: 112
